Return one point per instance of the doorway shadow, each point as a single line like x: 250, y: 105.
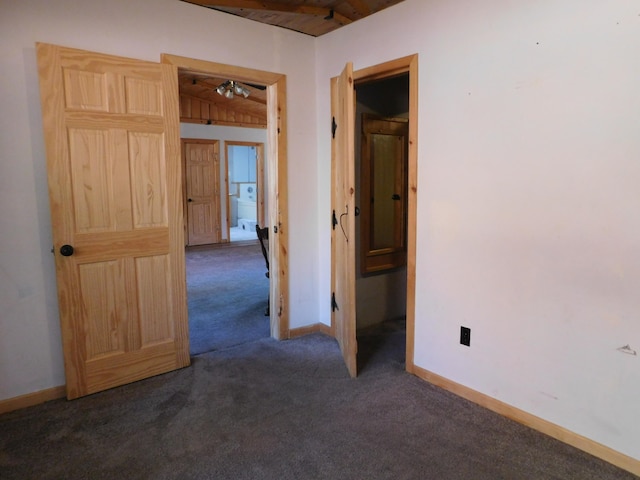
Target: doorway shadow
x: 227, y: 293
x: 384, y: 342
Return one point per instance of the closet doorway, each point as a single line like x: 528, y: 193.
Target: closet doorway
x: 381, y: 176
x: 345, y: 208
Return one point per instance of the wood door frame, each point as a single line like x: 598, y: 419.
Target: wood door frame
x: 408, y: 64
x: 277, y: 175
x: 259, y: 178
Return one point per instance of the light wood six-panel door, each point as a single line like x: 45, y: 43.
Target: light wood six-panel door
x: 111, y: 130
x: 202, y: 190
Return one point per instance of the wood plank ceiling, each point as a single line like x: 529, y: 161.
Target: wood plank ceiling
x: 199, y: 101
x: 313, y: 17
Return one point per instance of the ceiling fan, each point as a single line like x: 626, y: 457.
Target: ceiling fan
x: 230, y: 88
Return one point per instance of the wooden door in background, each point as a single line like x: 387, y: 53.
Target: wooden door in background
x: 111, y: 130
x: 202, y: 191
x: 343, y: 238
x: 383, y: 223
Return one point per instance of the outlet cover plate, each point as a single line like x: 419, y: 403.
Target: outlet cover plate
x: 465, y: 336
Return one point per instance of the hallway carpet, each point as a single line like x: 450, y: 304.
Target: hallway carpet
x: 227, y: 296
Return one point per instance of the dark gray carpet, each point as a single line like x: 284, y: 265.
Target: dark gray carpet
x: 283, y: 410
x: 227, y: 296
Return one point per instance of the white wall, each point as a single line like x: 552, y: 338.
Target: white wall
x: 30, y: 346
x: 222, y: 133
x: 528, y: 196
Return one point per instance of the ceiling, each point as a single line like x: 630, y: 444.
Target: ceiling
x: 313, y: 17
x: 199, y: 101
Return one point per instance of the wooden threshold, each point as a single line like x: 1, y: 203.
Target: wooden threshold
x: 555, y: 431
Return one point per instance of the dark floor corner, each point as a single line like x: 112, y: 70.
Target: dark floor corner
x: 386, y: 339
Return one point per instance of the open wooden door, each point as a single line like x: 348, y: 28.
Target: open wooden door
x: 202, y: 191
x: 343, y: 237
x: 111, y: 130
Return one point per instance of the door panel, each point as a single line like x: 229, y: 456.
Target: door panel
x: 111, y: 133
x: 343, y: 205
x: 202, y: 179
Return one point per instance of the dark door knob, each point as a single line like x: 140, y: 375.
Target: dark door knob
x: 189, y: 200
x: 395, y: 196
x: 66, y: 250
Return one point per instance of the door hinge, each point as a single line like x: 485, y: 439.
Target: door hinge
x: 334, y: 127
x: 334, y: 220
x: 334, y: 304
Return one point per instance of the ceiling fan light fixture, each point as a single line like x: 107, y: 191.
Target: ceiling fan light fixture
x: 230, y: 87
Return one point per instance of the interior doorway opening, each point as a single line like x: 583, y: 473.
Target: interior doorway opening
x: 227, y: 291
x: 276, y: 215
x: 246, y: 201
